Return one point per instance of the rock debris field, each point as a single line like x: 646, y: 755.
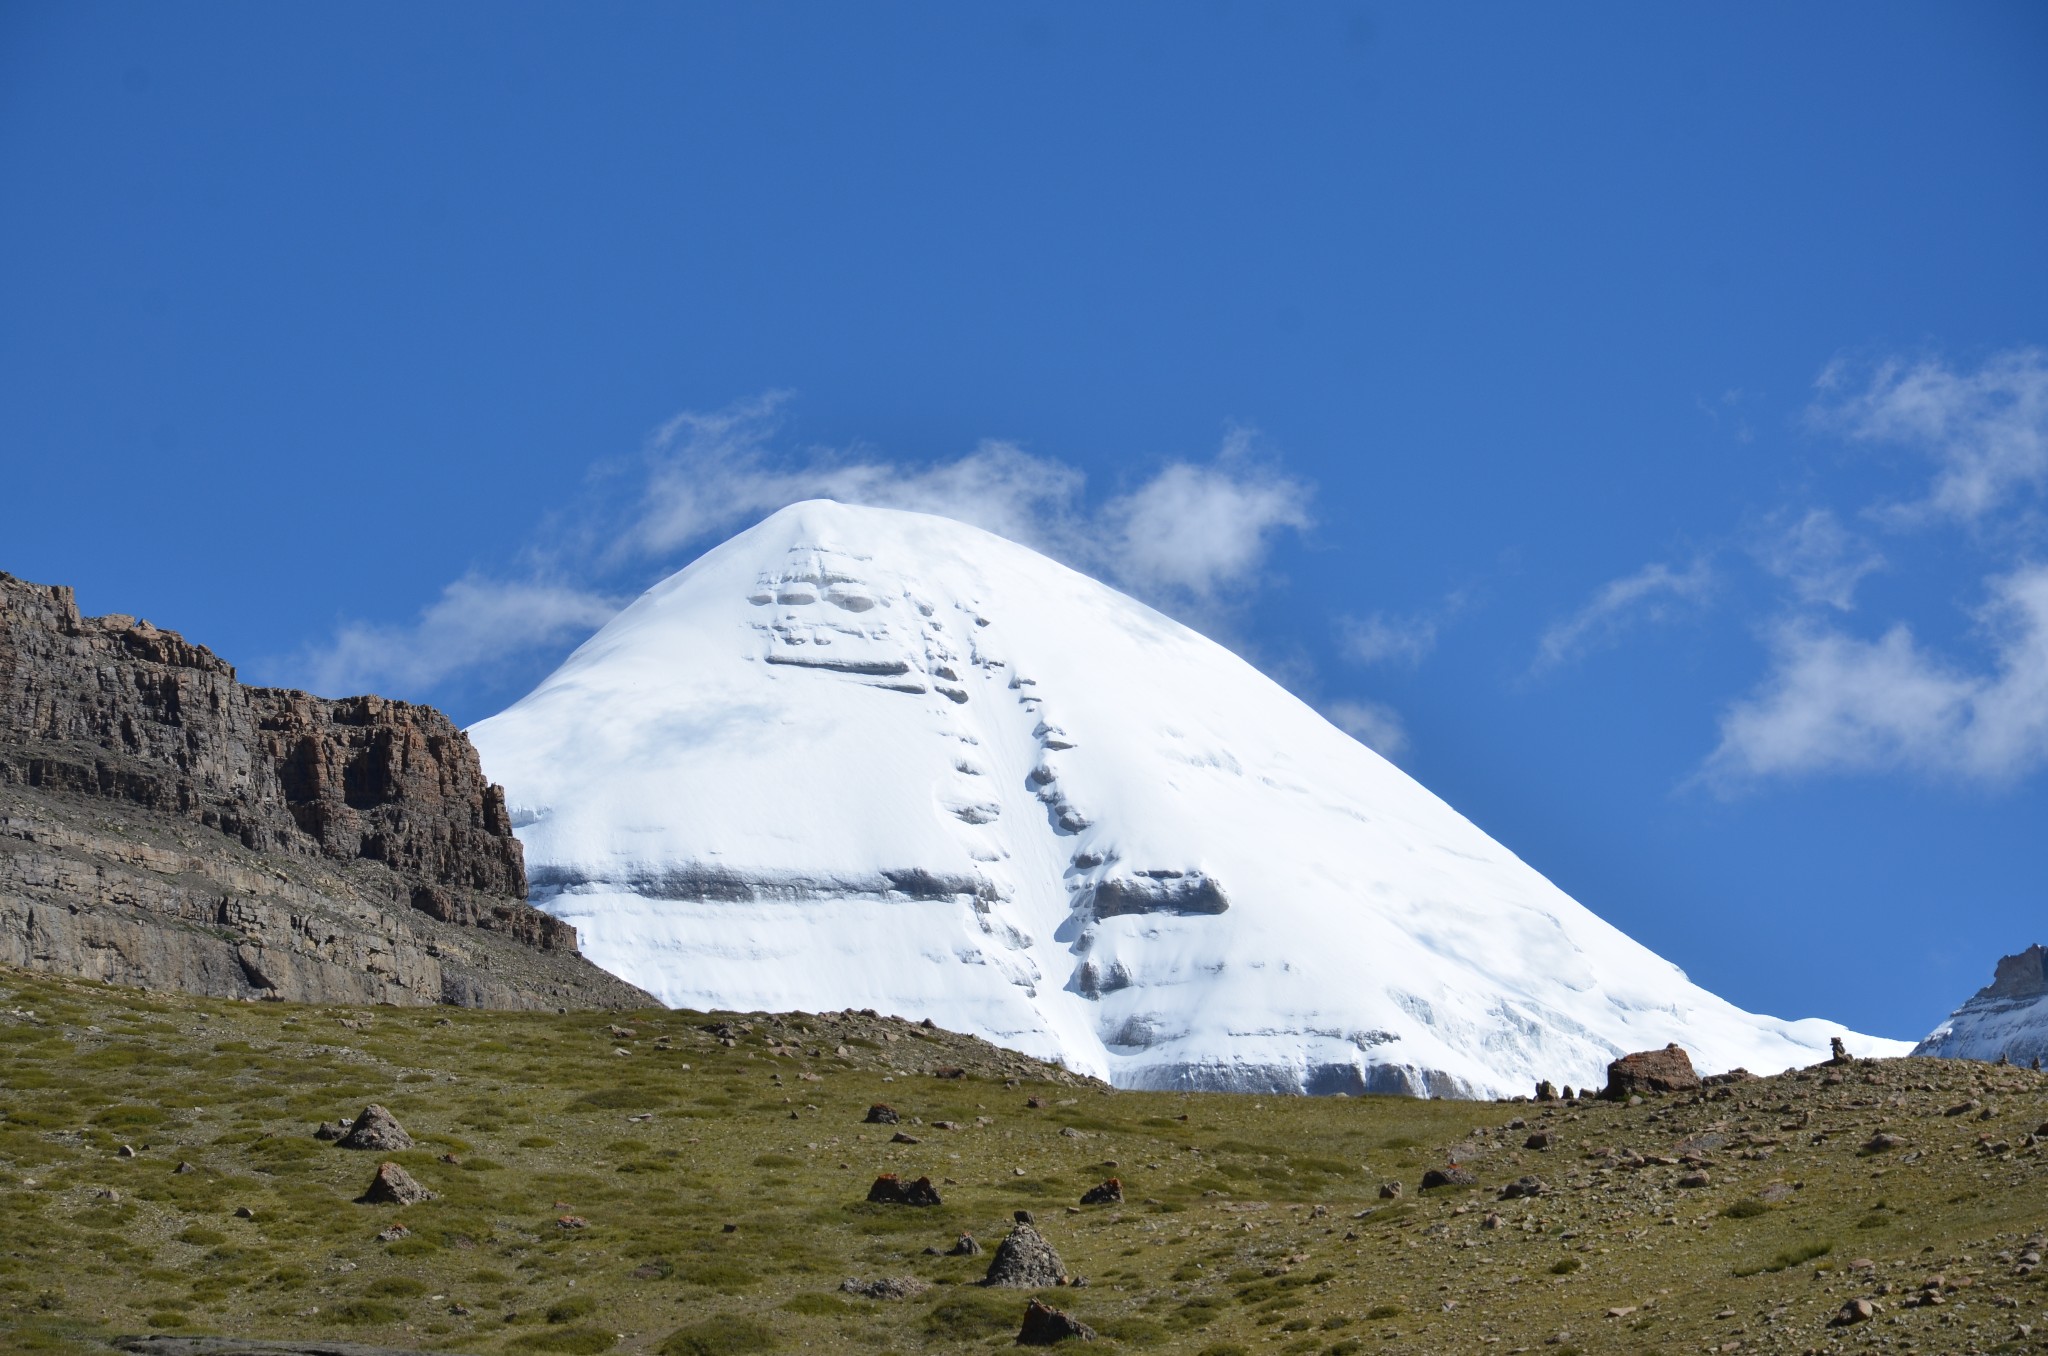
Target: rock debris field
x: 687, y: 1183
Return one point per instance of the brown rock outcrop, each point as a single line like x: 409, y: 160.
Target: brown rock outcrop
x: 165, y: 826
x: 1666, y: 1070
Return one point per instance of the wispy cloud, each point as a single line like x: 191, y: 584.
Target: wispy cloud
x: 1986, y: 430
x: 1654, y: 593
x: 1821, y: 560
x: 1835, y: 703
x: 1374, y: 724
x: 1200, y: 529
x: 475, y: 621
x: 705, y: 474
x: 1194, y: 534
x: 1392, y: 638
x: 1383, y: 639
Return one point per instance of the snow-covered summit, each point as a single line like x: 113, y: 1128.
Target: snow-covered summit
x: 860, y: 757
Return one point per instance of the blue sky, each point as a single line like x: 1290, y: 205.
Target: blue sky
x: 1635, y: 418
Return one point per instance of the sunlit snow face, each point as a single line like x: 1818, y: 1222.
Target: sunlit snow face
x: 863, y: 758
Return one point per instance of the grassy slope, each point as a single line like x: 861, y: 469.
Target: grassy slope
x: 1251, y: 1223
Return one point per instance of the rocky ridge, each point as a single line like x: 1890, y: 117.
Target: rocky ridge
x: 163, y: 825
x: 2007, y: 1019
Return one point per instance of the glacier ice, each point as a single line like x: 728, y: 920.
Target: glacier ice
x: 860, y: 757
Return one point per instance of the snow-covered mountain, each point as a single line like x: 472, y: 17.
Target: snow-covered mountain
x: 858, y: 757
x: 2008, y: 1016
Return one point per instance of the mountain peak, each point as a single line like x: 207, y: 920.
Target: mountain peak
x: 860, y: 757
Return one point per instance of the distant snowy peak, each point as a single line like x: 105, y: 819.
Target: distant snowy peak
x: 2007, y: 1018
x: 866, y: 758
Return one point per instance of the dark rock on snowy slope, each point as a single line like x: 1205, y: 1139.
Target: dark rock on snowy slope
x: 165, y: 826
x: 2007, y: 1018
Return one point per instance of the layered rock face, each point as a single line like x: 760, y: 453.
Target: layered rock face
x: 163, y: 825
x: 2007, y: 1018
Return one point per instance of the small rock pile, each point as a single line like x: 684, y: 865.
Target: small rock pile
x: 1044, y: 1326
x: 1025, y: 1261
x: 889, y: 1189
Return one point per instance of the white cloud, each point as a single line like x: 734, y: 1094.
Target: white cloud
x: 1373, y: 724
x: 475, y: 621
x: 1834, y: 703
x: 1194, y: 528
x: 1817, y: 556
x: 1654, y: 593
x: 1191, y: 533
x: 1199, y: 529
x: 1986, y: 430
x: 1383, y: 639
x: 709, y: 473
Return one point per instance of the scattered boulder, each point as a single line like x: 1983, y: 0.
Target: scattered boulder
x: 1108, y: 1193
x: 1025, y: 1261
x: 393, y: 1185
x: 900, y: 1138
x: 1045, y: 1325
x: 1735, y: 1075
x: 964, y: 1246
x: 889, y: 1189
x: 1881, y: 1142
x: 886, y: 1288
x: 881, y: 1113
x: 1694, y: 1181
x: 1540, y: 1140
x: 1522, y: 1188
x: 1855, y: 1311
x: 1546, y: 1091
x: 1666, y: 1070
x: 394, y: 1233
x: 1452, y: 1176
x: 376, y: 1129
x: 330, y: 1132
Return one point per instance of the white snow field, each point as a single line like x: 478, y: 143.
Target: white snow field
x: 864, y: 758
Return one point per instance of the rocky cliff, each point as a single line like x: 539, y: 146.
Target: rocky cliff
x: 163, y: 825
x: 2007, y: 1018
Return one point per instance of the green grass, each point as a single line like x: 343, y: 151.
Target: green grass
x: 1789, y: 1258
x: 714, y: 1220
